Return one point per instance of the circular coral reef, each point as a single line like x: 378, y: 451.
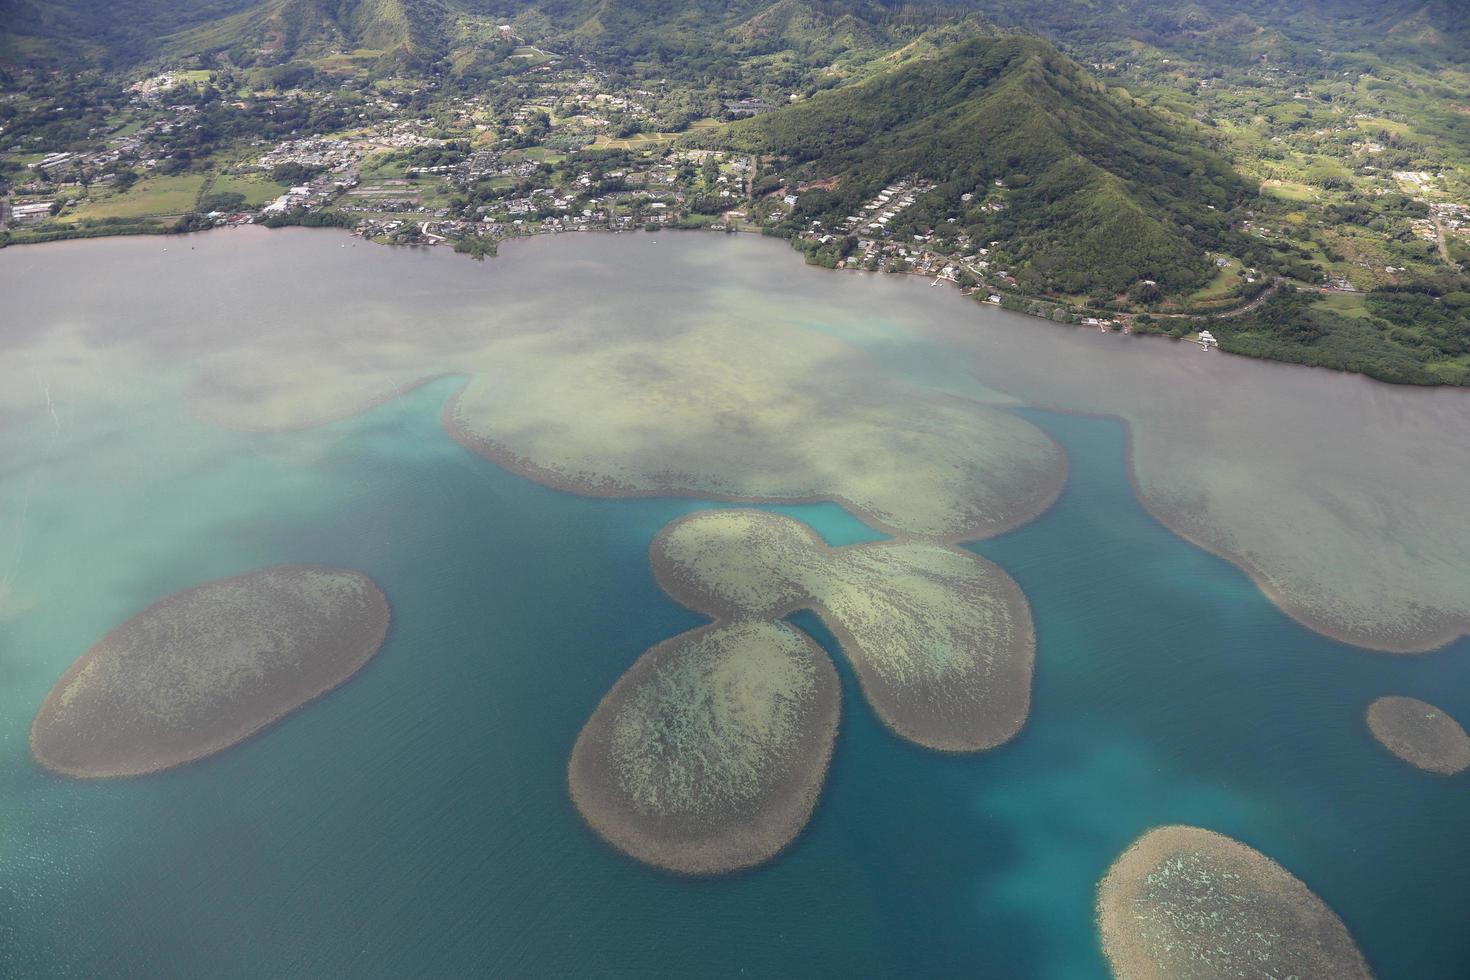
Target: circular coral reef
x: 1420, y: 734
x: 206, y: 668
x: 1185, y: 903
x: 709, y: 753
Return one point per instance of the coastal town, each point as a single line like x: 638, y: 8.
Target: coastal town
x: 564, y: 146
x: 469, y: 175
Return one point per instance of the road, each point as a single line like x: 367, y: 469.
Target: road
x: 1237, y: 311
x: 1439, y: 238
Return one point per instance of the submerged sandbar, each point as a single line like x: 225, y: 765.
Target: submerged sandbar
x: 1420, y: 734
x: 206, y: 668
x: 1184, y: 902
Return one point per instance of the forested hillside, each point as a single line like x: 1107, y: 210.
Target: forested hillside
x: 289, y: 29
x: 1101, y: 193
x: 1151, y: 164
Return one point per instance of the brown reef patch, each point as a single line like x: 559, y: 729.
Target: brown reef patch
x: 709, y: 754
x: 1183, y: 903
x: 208, y: 667
x: 941, y: 639
x: 1420, y: 734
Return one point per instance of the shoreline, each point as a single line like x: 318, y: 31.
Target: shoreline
x: 1056, y: 303
x: 1427, y: 637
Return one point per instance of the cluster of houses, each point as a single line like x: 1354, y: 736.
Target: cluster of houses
x: 314, y: 152
x: 28, y: 213
x: 153, y: 89
x: 1455, y: 217
x: 877, y: 213
x: 306, y: 197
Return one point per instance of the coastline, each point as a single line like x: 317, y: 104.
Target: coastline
x: 1054, y: 303
x: 1427, y: 636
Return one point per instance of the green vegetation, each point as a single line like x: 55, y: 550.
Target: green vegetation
x: 1168, y: 158
x: 148, y: 198
x: 253, y: 189
x: 1407, y: 335
x: 1095, y: 192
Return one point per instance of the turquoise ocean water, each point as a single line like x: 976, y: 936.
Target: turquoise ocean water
x: 416, y: 821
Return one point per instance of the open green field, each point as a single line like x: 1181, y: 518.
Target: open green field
x: 1222, y: 286
x: 257, y: 188
x: 348, y: 62
x: 544, y: 155
x: 529, y: 55
x: 152, y: 197
x: 1287, y: 190
x: 1345, y: 304
x: 638, y: 141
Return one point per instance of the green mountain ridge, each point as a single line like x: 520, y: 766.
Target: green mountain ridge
x: 307, y: 28
x: 1102, y: 192
x: 672, y: 31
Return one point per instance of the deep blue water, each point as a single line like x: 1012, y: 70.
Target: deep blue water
x: 416, y: 821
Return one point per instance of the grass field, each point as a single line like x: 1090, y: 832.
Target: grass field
x: 147, y: 198
x: 1345, y: 304
x: 257, y: 188
x: 1287, y: 190
x: 544, y: 155
x: 638, y: 141
x: 1225, y: 281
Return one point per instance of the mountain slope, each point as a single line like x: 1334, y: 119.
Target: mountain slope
x: 1097, y: 194
x: 304, y: 28
x: 114, y: 34
x: 1427, y: 32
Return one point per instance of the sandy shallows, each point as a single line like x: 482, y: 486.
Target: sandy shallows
x: 1420, y: 734
x: 709, y: 754
x: 941, y: 639
x: 203, y: 669
x: 1188, y: 904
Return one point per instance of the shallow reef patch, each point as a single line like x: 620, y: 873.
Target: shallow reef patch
x: 1184, y: 903
x: 1420, y: 734
x: 702, y: 757
x: 205, y: 668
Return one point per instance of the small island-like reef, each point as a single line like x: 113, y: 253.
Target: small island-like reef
x: 1420, y: 734
x: 205, y: 668
x: 709, y: 754
x: 1185, y: 903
